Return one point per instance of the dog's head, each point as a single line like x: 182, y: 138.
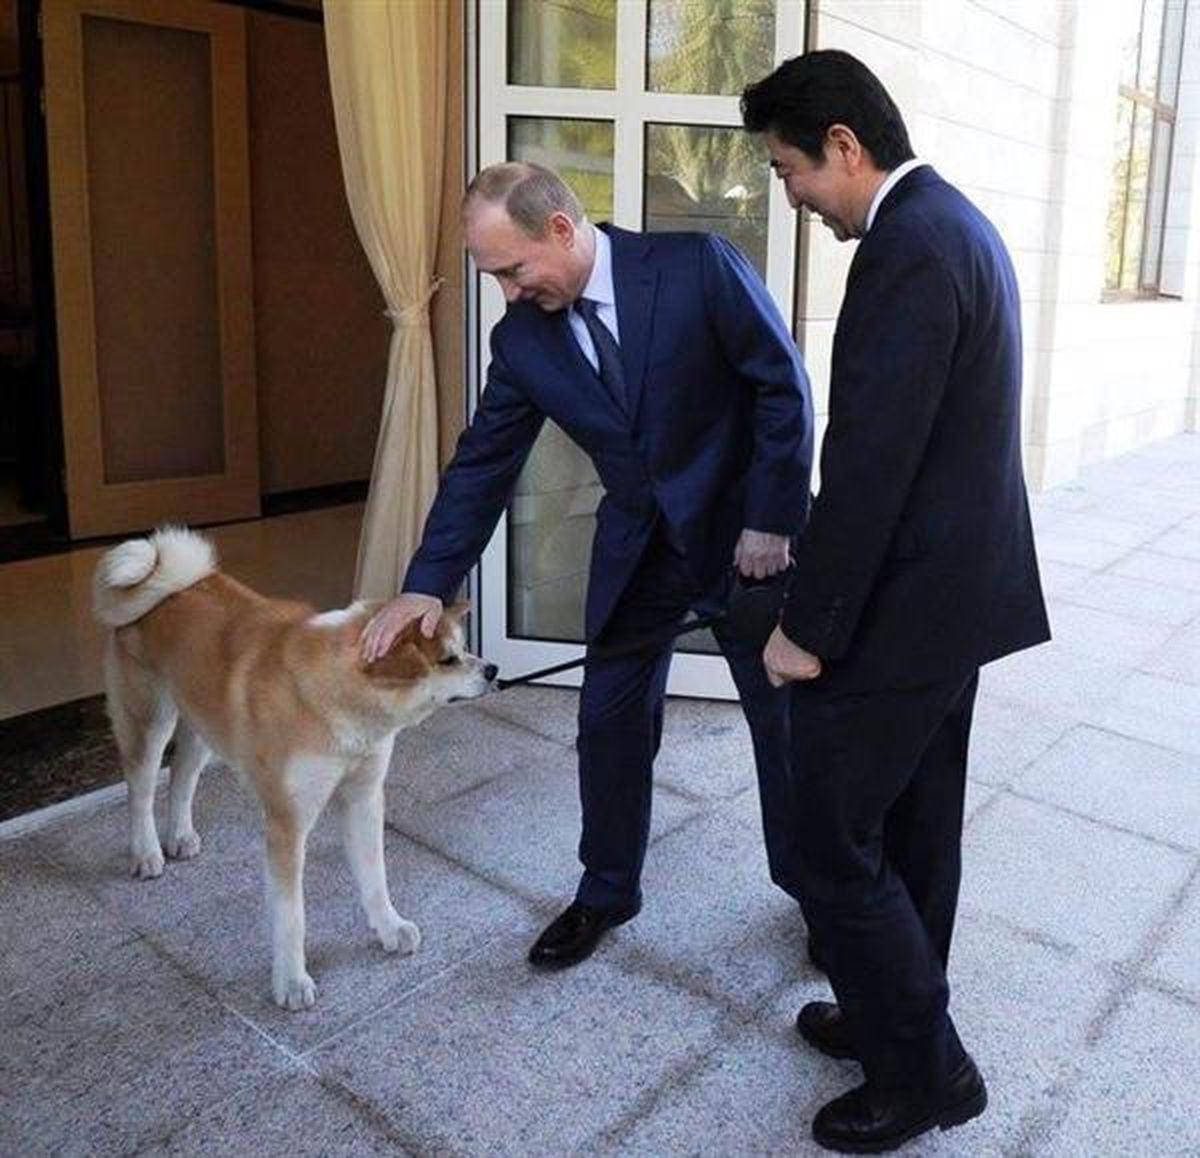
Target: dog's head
x: 422, y: 673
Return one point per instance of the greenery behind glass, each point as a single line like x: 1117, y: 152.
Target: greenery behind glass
x: 563, y: 43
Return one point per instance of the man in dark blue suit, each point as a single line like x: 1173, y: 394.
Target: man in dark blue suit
x: 664, y: 358
x: 917, y: 567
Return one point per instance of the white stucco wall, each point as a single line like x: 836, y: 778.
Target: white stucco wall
x: 1015, y: 102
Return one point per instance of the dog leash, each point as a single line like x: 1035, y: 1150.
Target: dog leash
x: 752, y: 611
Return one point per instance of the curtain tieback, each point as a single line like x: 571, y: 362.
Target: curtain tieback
x: 416, y: 313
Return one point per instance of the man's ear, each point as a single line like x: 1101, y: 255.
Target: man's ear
x: 842, y: 141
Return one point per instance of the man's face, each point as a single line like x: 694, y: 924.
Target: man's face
x: 830, y: 189
x: 550, y: 271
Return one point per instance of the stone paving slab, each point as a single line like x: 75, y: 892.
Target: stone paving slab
x: 110, y: 1057
x: 1066, y: 879
x: 286, y: 1116
x: 1169, y: 570
x: 1136, y: 599
x: 522, y: 830
x: 711, y: 915
x: 1007, y: 735
x: 1128, y: 784
x: 455, y: 750
x: 1162, y: 711
x: 499, y: 1059
x: 1136, y: 1092
x: 1179, y: 658
x: 49, y: 924
x: 1176, y: 959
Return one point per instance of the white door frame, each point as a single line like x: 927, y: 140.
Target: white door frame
x: 491, y: 101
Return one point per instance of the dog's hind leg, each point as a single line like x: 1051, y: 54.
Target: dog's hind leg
x: 191, y: 754
x: 143, y: 717
x: 359, y: 801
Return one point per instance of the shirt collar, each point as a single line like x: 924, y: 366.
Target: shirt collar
x: 900, y: 171
x: 600, y: 283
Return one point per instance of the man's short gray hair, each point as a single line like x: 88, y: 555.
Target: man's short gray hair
x: 529, y: 193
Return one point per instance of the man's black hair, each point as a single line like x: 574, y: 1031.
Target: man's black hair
x: 805, y: 95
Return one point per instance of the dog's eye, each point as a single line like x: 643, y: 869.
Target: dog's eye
x: 449, y: 661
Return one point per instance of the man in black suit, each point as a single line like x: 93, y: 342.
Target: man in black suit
x: 917, y: 567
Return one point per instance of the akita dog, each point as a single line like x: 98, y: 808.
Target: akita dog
x: 282, y: 695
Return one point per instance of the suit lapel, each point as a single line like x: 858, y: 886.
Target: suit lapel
x: 635, y: 284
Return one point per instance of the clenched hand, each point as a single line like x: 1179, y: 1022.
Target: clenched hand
x: 786, y: 662
x: 760, y: 554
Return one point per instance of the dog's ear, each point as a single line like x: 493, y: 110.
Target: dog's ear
x: 405, y: 661
x: 458, y: 611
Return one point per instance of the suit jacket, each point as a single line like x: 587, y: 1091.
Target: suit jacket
x: 716, y: 434
x: 918, y: 562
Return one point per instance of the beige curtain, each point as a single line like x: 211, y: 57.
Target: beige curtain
x: 387, y: 69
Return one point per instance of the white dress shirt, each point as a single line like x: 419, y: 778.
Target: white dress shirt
x: 889, y: 183
x: 599, y: 289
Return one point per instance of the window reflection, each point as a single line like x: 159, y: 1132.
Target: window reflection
x: 708, y: 178
x: 564, y: 44
x: 708, y: 46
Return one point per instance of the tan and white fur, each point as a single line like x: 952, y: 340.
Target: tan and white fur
x: 282, y: 695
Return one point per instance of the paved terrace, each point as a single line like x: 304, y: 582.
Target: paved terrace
x: 136, y: 1017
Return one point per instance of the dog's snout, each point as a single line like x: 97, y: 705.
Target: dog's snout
x: 490, y: 671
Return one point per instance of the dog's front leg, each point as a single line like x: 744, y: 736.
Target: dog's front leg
x: 360, y: 807
x: 286, y: 841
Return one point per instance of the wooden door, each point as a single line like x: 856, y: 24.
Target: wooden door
x: 146, y: 129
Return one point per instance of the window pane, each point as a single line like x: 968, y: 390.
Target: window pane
x: 1130, y: 15
x: 1135, y: 216
x: 1120, y: 192
x: 708, y: 46
x: 581, y: 152
x: 1168, y: 82
x: 552, y: 517
x: 567, y: 44
x: 1152, y: 20
x: 1157, y: 198
x: 710, y: 179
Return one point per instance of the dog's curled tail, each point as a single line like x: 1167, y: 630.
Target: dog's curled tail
x: 137, y: 576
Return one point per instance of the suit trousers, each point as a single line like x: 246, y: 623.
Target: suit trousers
x: 881, y: 778
x: 620, y: 729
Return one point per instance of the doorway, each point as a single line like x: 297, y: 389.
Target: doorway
x: 32, y: 501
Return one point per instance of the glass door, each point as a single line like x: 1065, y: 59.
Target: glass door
x: 635, y: 103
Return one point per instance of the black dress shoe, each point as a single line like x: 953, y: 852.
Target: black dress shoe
x: 576, y: 932
x: 822, y: 1025
x: 867, y: 1121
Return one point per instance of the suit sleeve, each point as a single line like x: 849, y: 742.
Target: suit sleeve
x: 757, y: 344
x: 477, y: 484
x: 891, y: 360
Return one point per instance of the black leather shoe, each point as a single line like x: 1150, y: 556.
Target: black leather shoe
x: 575, y: 933
x: 822, y: 1025
x: 866, y: 1121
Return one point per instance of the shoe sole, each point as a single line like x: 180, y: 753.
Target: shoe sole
x: 944, y: 1119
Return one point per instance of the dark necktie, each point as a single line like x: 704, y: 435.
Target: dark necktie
x: 608, y: 353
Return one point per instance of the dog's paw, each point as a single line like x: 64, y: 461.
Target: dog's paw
x: 148, y: 864
x: 184, y: 846
x: 293, y: 993
x: 397, y: 935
